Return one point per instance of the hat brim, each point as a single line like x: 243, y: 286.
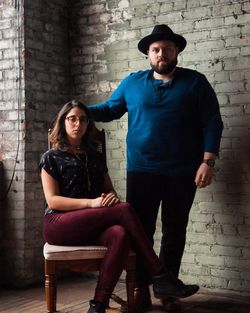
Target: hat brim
x: 145, y: 42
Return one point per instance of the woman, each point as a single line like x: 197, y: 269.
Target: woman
x: 80, y: 198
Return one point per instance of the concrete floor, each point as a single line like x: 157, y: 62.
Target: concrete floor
x: 75, y: 292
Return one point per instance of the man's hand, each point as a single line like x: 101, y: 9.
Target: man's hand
x: 204, y: 176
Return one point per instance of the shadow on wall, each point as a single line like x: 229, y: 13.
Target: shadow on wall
x: 1, y: 181
x: 234, y: 171
x: 2, y: 206
x: 235, y: 167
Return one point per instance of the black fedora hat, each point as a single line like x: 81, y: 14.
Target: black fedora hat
x: 161, y: 32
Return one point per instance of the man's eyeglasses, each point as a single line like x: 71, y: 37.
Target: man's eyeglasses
x: 73, y: 120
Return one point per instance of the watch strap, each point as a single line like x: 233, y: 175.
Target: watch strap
x: 209, y: 162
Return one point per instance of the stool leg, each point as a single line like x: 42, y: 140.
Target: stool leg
x: 50, y: 286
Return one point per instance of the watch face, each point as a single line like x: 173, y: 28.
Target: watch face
x: 210, y: 162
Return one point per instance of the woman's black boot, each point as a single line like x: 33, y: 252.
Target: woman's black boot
x: 96, y: 307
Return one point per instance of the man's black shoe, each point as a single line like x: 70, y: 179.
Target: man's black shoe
x: 166, y: 284
x: 96, y: 307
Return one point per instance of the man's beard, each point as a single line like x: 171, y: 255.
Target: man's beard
x: 164, y: 68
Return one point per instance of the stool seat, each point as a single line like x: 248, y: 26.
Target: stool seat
x: 54, y: 252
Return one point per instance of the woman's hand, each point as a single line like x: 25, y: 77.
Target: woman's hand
x: 109, y: 199
x: 96, y: 203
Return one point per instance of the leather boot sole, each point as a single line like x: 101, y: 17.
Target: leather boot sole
x: 171, y: 304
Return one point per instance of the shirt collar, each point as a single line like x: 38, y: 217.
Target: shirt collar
x: 150, y: 76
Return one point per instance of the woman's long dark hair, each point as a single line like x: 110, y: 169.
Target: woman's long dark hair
x: 58, y: 136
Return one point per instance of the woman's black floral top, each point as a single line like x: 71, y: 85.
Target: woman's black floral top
x: 78, y: 176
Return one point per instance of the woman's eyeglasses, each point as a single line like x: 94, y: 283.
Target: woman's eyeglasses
x: 73, y: 120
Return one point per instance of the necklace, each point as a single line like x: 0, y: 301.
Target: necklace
x: 76, y: 147
x: 78, y: 157
x: 85, y: 164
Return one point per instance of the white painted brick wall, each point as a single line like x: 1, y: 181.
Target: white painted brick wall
x: 12, y: 219
x: 104, y: 39
x: 218, y: 32
x: 43, y: 85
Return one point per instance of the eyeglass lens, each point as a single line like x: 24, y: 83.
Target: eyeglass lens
x: 74, y: 119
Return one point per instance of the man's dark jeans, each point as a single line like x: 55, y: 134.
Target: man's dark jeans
x: 145, y: 192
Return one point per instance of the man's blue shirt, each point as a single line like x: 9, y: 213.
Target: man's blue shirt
x: 170, y: 125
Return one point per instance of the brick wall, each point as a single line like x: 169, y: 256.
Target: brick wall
x: 104, y: 36
x: 46, y: 87
x: 11, y: 134
x: 34, y: 71
x: 36, y: 60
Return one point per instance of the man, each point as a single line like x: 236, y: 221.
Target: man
x: 174, y: 131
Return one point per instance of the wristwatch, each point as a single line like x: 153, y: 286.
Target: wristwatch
x: 209, y: 162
